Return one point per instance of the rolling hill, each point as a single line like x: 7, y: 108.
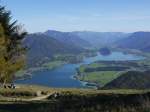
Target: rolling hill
x: 131, y: 80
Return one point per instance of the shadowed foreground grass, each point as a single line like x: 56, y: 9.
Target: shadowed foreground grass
x: 80, y: 100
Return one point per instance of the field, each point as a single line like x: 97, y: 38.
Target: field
x: 53, y: 64
x: 103, y: 72
x: 101, y: 78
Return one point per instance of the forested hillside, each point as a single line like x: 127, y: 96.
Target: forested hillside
x: 69, y: 38
x: 138, y: 40
x: 131, y: 80
x: 42, y: 48
x: 99, y: 39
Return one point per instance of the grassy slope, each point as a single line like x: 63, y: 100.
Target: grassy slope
x: 53, y: 64
x: 33, y: 89
x: 99, y: 77
x: 104, y: 77
x: 29, y: 91
x: 77, y: 100
x: 131, y: 80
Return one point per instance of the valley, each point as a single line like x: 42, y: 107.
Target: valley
x: 65, y: 73
x: 74, y: 56
x: 93, y: 70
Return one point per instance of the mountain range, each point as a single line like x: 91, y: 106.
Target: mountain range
x: 138, y: 40
x: 100, y: 39
x: 43, y: 46
x: 68, y: 38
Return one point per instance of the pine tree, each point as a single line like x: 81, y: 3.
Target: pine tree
x: 12, y: 53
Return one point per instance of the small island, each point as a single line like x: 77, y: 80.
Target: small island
x: 105, y: 51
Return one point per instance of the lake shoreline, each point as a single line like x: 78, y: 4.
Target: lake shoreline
x: 94, y: 84
x: 71, y: 76
x: 30, y: 72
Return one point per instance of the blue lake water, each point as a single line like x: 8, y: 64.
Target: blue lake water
x: 62, y: 77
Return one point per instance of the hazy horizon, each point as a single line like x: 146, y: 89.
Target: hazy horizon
x: 86, y: 15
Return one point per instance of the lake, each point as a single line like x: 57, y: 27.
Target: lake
x: 62, y: 77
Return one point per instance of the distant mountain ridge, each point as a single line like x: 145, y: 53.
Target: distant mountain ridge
x: 138, y: 40
x: 88, y: 38
x: 68, y: 37
x: 100, y: 39
x: 43, y: 47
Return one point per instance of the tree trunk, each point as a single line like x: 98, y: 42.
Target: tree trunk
x: 4, y: 84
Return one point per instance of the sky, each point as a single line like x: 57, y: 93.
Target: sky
x: 81, y: 15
